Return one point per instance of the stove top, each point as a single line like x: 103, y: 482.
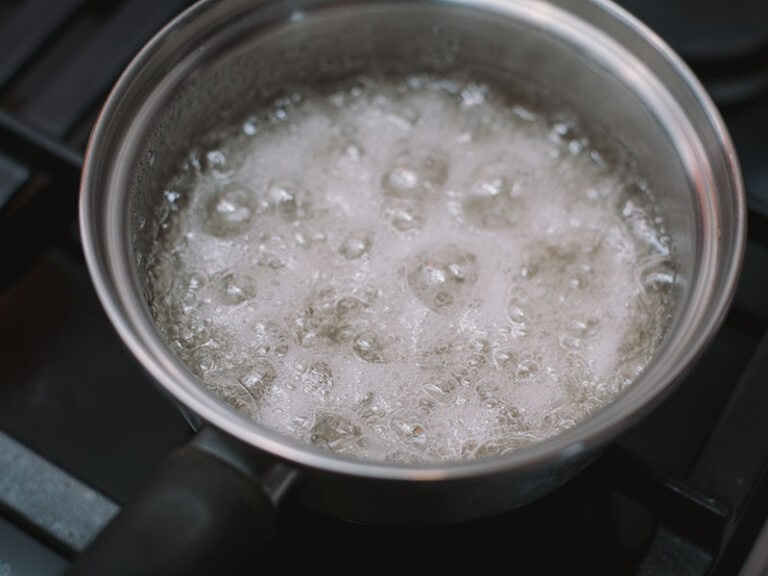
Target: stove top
x: 82, y: 428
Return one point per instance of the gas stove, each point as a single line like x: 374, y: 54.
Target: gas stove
x: 82, y: 428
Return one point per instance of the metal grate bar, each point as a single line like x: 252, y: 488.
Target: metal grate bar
x: 49, y: 499
x: 732, y: 460
x: 28, y: 29
x: 38, y: 150
x: 38, y: 208
x: 85, y: 78
x: 689, y: 514
x: 12, y: 177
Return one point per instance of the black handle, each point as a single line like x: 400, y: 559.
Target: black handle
x: 209, y: 511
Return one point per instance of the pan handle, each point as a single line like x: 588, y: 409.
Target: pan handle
x: 210, y: 510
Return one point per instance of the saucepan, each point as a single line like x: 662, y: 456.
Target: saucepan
x: 216, y: 499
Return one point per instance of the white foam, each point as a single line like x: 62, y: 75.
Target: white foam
x: 410, y: 270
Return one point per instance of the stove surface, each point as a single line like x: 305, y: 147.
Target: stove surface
x: 82, y: 428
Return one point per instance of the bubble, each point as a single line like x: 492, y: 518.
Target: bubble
x: 227, y: 212
x: 508, y: 417
x: 440, y: 276
x: 287, y: 198
x: 349, y: 156
x: 191, y: 290
x: 576, y: 147
x: 276, y: 263
x: 495, y: 196
x: 636, y: 210
x: 370, y: 347
x: 251, y: 126
x: 566, y: 136
x: 349, y: 305
x: 373, y: 412
x: 172, y: 196
x: 559, y: 131
x: 579, y: 281
x: 233, y: 289
x: 353, y: 151
x: 554, y: 422
x: 598, y: 159
x: 195, y: 333
x: 237, y: 397
x: 161, y: 274
x: 400, y: 180
x: 281, y: 348
x: 658, y: 277
x: 269, y: 339
x: 416, y: 175
x: 516, y: 314
x: 302, y: 239
x: 465, y: 395
x: 522, y: 366
x: 215, y: 160
x: 403, y: 215
x: 570, y: 343
x: 524, y: 113
x: 327, y: 318
x: 566, y: 268
x: 404, y: 118
x: 441, y: 348
x: 441, y: 387
x: 344, y: 158
x: 477, y: 354
x: 529, y: 270
x: 337, y: 432
x: 473, y: 95
x: 356, y: 244
x: 257, y: 377
x: 280, y: 113
x: 628, y: 372
x: 318, y: 378
x: 426, y: 405
x: 205, y: 360
x: 481, y: 122
x: 583, y: 327
x: 406, y: 423
x: 503, y: 358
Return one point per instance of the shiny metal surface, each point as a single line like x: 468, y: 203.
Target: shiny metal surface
x: 632, y: 93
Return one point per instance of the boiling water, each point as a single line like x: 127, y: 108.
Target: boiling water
x: 413, y: 270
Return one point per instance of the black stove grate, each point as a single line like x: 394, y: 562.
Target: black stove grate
x: 82, y: 428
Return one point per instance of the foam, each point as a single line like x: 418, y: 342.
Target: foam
x: 410, y: 270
